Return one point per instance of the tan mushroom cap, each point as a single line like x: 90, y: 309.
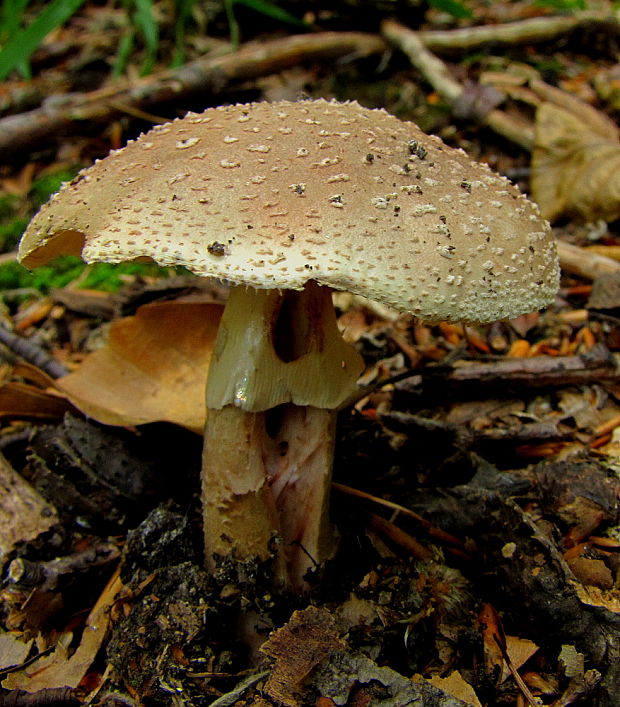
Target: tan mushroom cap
x: 274, y: 195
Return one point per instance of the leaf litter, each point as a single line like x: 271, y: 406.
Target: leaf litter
x: 503, y: 438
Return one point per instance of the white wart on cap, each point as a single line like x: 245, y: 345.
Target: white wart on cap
x: 274, y: 195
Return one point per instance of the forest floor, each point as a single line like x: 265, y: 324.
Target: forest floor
x: 475, y: 486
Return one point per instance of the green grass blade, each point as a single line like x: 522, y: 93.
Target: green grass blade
x: 23, y: 43
x: 564, y: 5
x: 125, y: 48
x: 183, y: 15
x: 146, y: 24
x: 233, y: 25
x: 270, y: 10
x: 11, y: 14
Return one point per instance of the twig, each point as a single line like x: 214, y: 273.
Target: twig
x: 230, y: 698
x: 609, y: 251
x: 46, y: 575
x: 50, y: 697
x: 584, y: 262
x: 598, y: 364
x: 25, y: 663
x: 572, y: 258
x: 400, y: 537
x: 32, y: 353
x: 530, y: 31
x: 431, y: 529
x: 463, y: 437
x: 517, y: 678
x: 209, y: 75
x: 438, y: 75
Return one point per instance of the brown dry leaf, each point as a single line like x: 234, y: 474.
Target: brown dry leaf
x: 456, y: 686
x: 297, y: 648
x: 494, y: 640
x: 576, y: 163
x: 24, y: 514
x: 23, y: 401
x: 595, y: 596
x: 13, y: 651
x: 59, y: 669
x: 519, y: 650
x: 591, y: 572
x: 154, y: 367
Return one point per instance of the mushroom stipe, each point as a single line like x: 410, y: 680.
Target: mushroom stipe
x: 286, y: 201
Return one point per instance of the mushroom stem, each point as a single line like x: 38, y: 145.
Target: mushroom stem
x: 278, y: 374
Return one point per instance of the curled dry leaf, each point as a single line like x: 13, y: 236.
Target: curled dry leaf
x: 61, y: 669
x: 595, y: 596
x: 27, y: 402
x: 455, y: 685
x: 153, y: 368
x: 24, y: 514
x: 13, y: 650
x: 576, y: 163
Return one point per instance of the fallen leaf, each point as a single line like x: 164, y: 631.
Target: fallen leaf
x: 27, y: 402
x: 494, y: 641
x: 24, y: 514
x: 519, y: 650
x: 154, y: 367
x: 575, y: 164
x: 591, y: 572
x: 297, y: 648
x: 595, y: 596
x: 456, y: 686
x: 311, y: 659
x: 13, y: 650
x: 59, y: 669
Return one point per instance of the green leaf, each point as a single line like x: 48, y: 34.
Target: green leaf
x: 23, y: 43
x: 456, y: 8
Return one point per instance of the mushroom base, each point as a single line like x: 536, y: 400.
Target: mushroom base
x: 279, y: 372
x: 266, y: 488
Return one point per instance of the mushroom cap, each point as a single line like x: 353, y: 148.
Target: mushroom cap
x: 272, y: 195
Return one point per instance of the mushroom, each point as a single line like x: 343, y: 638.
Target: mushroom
x: 286, y: 201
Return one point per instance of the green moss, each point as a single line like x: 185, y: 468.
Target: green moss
x: 108, y: 277
x: 16, y: 212
x: 47, y: 184
x: 8, y: 205
x: 10, y: 232
x: 67, y: 269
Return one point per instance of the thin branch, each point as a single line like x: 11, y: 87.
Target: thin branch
x: 584, y: 262
x: 454, y: 93
x: 529, y: 31
x: 400, y: 537
x: 31, y: 352
x: 431, y: 529
x: 598, y: 364
x: 206, y: 76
